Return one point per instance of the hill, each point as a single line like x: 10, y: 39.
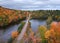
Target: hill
x: 8, y: 16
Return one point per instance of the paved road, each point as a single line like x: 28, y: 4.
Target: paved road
x: 22, y: 32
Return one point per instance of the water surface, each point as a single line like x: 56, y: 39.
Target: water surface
x: 36, y: 23
x: 5, y: 34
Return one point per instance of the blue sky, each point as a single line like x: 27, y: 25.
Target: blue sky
x: 31, y: 4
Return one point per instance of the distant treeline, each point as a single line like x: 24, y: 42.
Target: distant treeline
x: 44, y: 14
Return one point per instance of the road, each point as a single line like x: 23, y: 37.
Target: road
x: 17, y: 40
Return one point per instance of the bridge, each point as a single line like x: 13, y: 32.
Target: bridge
x: 18, y: 39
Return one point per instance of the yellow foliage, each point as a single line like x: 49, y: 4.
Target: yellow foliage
x: 47, y: 34
x: 42, y: 28
x: 56, y: 16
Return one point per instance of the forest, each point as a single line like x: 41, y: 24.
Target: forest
x: 47, y: 33
x: 8, y: 16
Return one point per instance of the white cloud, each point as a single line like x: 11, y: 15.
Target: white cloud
x: 38, y: 2
x: 31, y: 4
x: 18, y: 0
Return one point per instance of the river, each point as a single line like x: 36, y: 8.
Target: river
x: 36, y: 23
x: 5, y: 34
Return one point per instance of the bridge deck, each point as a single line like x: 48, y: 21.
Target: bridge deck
x: 17, y: 40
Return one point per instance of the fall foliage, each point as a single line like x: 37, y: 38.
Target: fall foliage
x: 14, y: 34
x: 9, y: 15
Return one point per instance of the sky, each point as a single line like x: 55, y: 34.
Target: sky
x: 31, y: 4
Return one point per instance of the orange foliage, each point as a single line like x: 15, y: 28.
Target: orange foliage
x: 10, y: 14
x: 55, y: 32
x: 53, y: 25
x: 20, y: 16
x: 14, y: 34
x: 16, y: 17
x: 58, y: 27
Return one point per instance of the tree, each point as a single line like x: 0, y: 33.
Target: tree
x: 42, y: 30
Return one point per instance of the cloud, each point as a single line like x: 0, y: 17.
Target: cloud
x: 31, y: 4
